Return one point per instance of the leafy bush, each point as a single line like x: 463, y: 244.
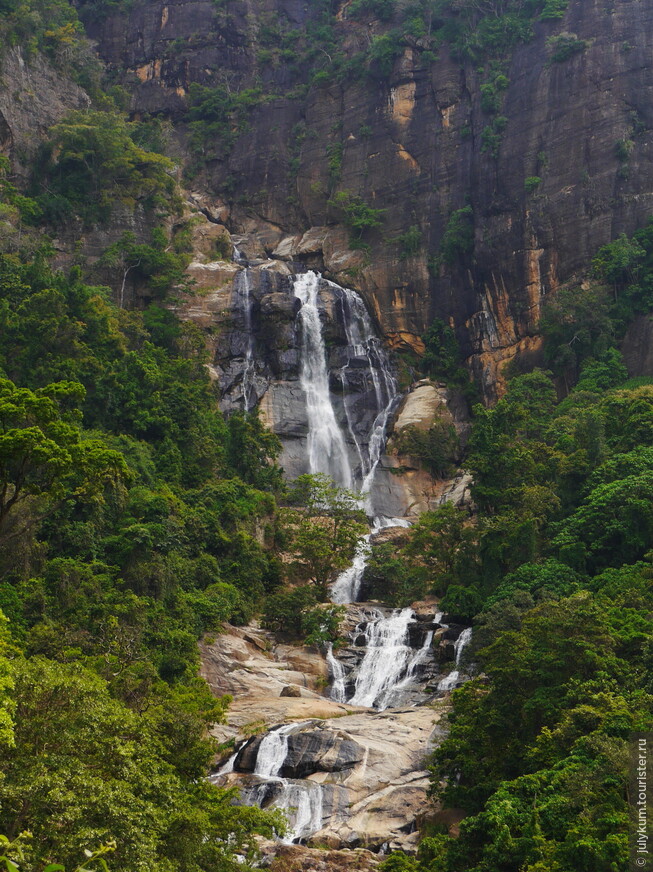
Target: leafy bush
x: 458, y: 239
x: 564, y: 46
x: 359, y: 217
x: 442, y: 358
x: 410, y: 242
x: 623, y: 149
x: 216, y: 117
x: 383, y: 52
x: 553, y: 9
x: 53, y: 28
x: 91, y: 162
x: 381, y: 9
x: 436, y: 448
x: 295, y: 614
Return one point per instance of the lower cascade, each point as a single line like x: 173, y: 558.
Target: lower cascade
x: 362, y: 771
x: 389, y: 661
x: 302, y: 801
x: 450, y: 681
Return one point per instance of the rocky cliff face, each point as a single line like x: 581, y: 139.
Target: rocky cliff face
x: 34, y: 95
x: 411, y: 143
x: 256, y: 338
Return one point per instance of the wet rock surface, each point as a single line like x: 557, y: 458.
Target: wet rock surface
x: 366, y: 765
x: 254, y: 333
x: 296, y: 858
x: 311, y: 751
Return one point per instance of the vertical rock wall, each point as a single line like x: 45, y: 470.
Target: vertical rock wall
x: 412, y: 144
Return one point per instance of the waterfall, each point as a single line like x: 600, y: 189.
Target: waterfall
x: 327, y: 452
x: 301, y: 800
x: 303, y: 803
x: 449, y: 681
x: 386, y: 661
x: 461, y: 643
x: 337, y: 671
x: 225, y: 769
x: 346, y: 587
x: 272, y: 752
x: 243, y: 288
x: 416, y: 660
x: 363, y: 343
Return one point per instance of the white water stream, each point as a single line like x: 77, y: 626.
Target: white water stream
x: 390, y: 663
x: 243, y: 288
x: 450, y: 681
x: 338, y: 692
x: 272, y: 752
x: 363, y: 343
x: 327, y: 452
x: 301, y: 800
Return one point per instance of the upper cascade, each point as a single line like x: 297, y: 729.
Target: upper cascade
x: 326, y: 448
x: 305, y: 351
x: 243, y: 284
x: 330, y: 441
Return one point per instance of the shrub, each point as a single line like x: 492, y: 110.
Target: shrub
x: 553, y: 9
x: 564, y: 46
x: 458, y: 238
x: 532, y: 183
x: 410, y: 242
x: 381, y: 9
x: 91, y: 162
x: 436, y: 447
x: 359, y: 217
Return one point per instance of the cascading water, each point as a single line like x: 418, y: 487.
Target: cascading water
x: 327, y: 452
x: 303, y: 803
x: 449, y: 681
x: 272, y: 752
x: 338, y: 690
x: 387, y: 657
x: 346, y: 587
x: 349, y: 452
x: 243, y: 288
x: 390, y: 662
x: 363, y: 343
x: 301, y: 800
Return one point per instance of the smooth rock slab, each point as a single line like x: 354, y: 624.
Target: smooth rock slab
x: 309, y: 751
x: 297, y: 858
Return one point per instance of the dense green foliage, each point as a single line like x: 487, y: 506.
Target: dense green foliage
x: 134, y: 518
x: 555, y: 572
x: 217, y: 117
x: 322, y: 534
x: 52, y: 28
x: 357, y: 215
x: 458, y: 239
x: 436, y: 448
x: 130, y: 519
x: 91, y: 163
